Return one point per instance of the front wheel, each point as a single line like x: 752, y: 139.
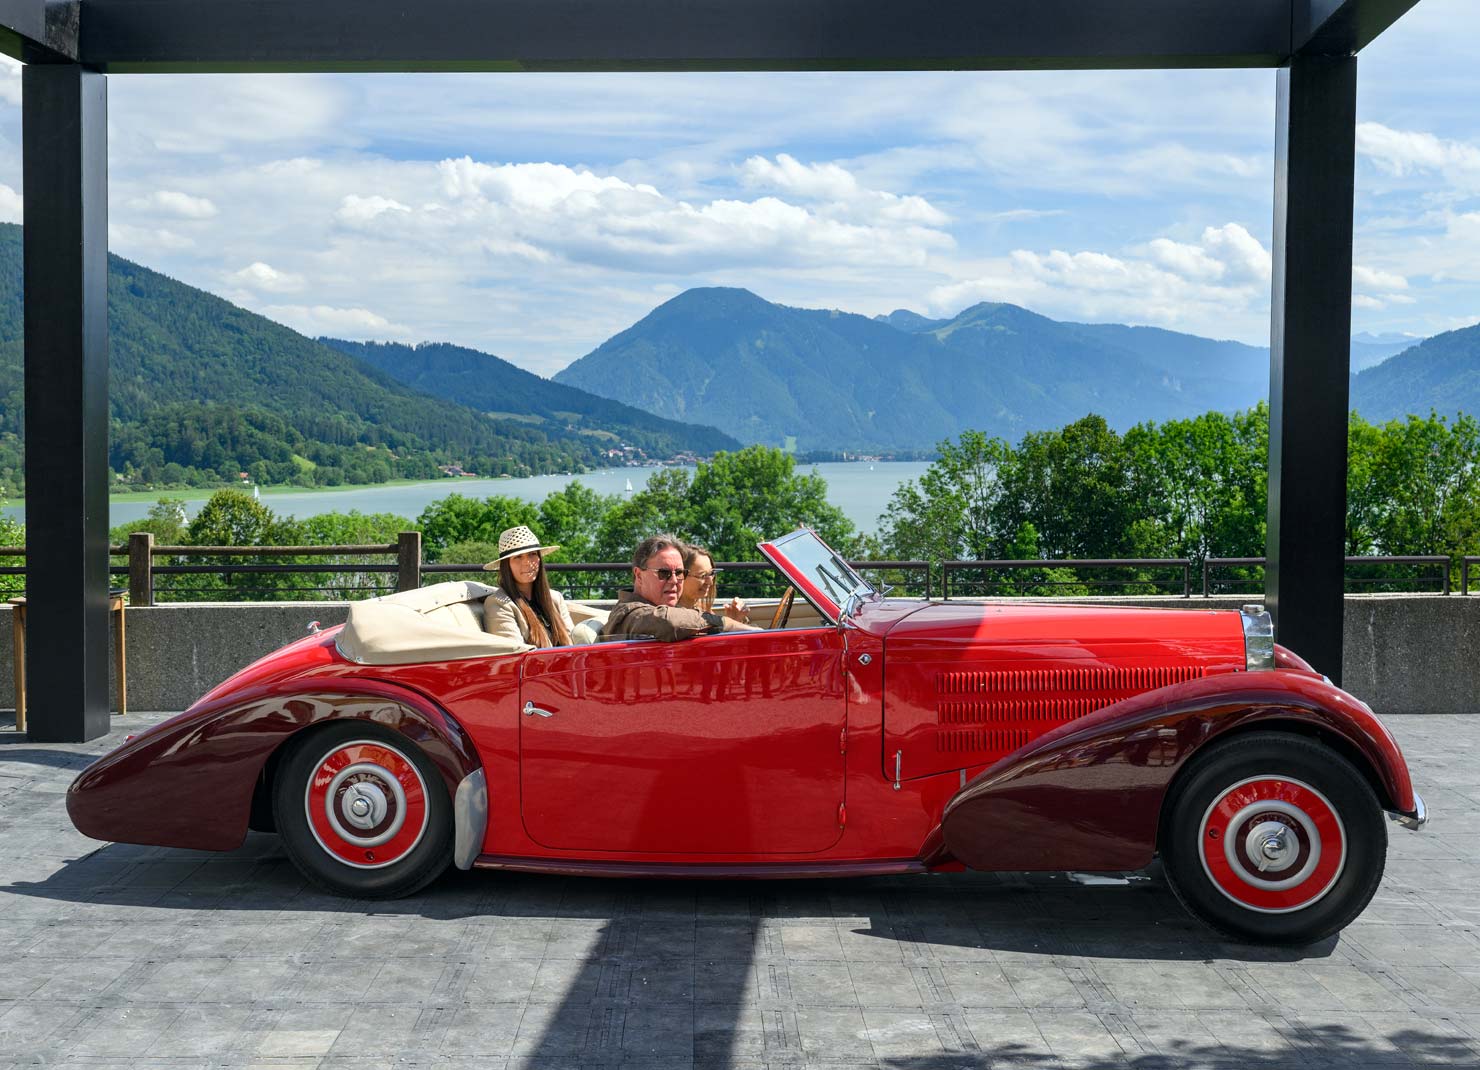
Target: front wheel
x: 1273, y: 838
x: 363, y: 812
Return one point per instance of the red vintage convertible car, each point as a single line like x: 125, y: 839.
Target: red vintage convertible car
x: 859, y: 734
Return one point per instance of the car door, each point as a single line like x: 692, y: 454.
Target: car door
x: 728, y: 744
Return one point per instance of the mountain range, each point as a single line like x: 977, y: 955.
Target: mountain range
x: 834, y: 380
x: 1440, y: 374
x: 831, y: 380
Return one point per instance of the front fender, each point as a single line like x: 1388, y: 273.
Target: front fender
x: 1089, y: 794
x: 188, y: 782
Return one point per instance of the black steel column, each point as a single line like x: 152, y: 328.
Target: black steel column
x: 65, y: 145
x: 1310, y: 354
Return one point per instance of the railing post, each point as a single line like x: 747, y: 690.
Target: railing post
x: 408, y: 560
x: 141, y: 568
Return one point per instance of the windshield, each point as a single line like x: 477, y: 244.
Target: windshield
x: 816, y: 570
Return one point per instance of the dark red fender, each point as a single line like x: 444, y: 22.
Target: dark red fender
x: 1089, y: 794
x: 188, y: 782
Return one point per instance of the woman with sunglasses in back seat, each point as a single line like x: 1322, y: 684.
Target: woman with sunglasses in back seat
x: 699, y: 586
x: 651, y: 606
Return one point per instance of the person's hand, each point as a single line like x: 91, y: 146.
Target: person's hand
x: 737, y: 610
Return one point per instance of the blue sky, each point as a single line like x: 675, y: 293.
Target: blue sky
x: 533, y: 216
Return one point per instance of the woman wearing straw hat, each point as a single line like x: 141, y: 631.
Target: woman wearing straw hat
x: 524, y: 609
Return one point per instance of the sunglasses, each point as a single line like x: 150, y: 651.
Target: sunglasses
x: 666, y: 574
x: 705, y: 575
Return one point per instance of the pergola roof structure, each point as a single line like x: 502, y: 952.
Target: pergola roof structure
x: 71, y: 46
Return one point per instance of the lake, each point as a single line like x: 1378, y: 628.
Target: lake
x: 861, y: 490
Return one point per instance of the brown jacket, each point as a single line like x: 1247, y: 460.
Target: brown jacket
x: 637, y: 616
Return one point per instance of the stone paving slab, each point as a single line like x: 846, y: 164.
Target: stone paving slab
x: 122, y: 956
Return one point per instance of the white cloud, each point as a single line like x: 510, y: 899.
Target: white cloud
x: 223, y: 113
x: 353, y: 323
x: 604, y: 220
x: 135, y: 242
x: 10, y: 81
x: 356, y: 210
x: 175, y: 203
x: 11, y: 204
x: 1219, y: 285
x: 1401, y: 152
x: 264, y: 278
x: 1373, y: 279
x: 837, y: 188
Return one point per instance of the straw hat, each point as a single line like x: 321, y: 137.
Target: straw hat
x: 518, y: 540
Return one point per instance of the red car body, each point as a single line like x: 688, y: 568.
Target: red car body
x: 912, y: 736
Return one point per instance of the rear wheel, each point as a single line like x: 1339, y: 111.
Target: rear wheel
x: 1273, y: 838
x: 363, y: 812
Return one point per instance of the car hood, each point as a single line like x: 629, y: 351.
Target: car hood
x: 995, y: 622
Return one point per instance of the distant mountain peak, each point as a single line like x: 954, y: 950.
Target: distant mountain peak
x: 766, y: 373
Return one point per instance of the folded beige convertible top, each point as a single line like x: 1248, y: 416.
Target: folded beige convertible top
x: 443, y: 622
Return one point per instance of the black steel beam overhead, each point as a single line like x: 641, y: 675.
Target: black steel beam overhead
x: 659, y: 35
x: 69, y: 45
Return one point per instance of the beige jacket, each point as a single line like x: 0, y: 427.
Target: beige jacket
x: 637, y: 616
x: 502, y: 618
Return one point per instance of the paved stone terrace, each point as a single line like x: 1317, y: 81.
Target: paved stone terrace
x: 120, y: 956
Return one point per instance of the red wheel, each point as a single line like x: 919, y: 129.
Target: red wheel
x: 366, y: 804
x: 1273, y: 837
x: 1272, y: 844
x: 363, y: 812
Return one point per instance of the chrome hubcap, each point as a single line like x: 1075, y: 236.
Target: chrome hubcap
x: 1270, y: 846
x: 365, y: 804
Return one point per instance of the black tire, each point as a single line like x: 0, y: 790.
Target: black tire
x: 341, y: 829
x: 1243, y: 801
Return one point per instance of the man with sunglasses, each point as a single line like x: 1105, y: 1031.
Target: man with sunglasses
x: 651, y: 606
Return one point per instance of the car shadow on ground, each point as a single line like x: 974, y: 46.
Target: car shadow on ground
x: 1307, y: 1046
x: 1133, y: 916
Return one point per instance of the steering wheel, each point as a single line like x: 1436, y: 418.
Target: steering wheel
x: 783, y: 608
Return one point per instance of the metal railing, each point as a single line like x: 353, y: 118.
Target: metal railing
x: 746, y: 579
x: 1440, y: 580
x: 158, y: 573
x: 1147, y: 574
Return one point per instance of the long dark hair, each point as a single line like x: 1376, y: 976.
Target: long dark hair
x: 540, y: 596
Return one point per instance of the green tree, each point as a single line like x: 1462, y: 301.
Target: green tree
x: 459, y: 519
x: 663, y: 504
x: 12, y: 533
x: 1413, y: 486
x: 571, y: 518
x: 740, y: 499
x: 233, y: 518
x: 948, y: 514
x: 166, y: 521
x: 1072, y: 486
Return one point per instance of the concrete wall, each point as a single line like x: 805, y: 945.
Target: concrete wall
x: 1403, y: 653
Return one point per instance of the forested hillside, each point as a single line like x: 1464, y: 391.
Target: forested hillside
x: 201, y: 390
x: 1441, y: 374
x: 494, y: 386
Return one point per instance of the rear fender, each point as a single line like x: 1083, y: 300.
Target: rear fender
x: 189, y: 781
x: 1089, y: 795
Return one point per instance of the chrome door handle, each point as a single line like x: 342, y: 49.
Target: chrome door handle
x: 530, y: 708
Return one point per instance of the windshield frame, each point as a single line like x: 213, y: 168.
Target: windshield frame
x: 830, y: 598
